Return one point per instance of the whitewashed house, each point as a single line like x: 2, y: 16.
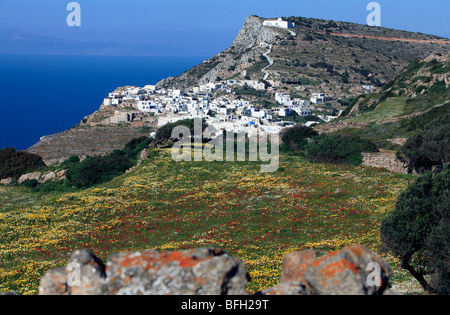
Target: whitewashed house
x: 257, y: 85
x: 177, y: 93
x: 150, y: 88
x: 301, y: 110
x: 223, y: 110
x: 320, y: 98
x: 149, y: 107
x: 283, y: 99
x: 117, y: 100
x: 260, y: 114
x: 107, y: 101
x: 283, y: 112
x: 279, y: 23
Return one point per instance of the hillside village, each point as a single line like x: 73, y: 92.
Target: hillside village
x: 222, y: 105
x: 215, y: 102
x: 218, y: 103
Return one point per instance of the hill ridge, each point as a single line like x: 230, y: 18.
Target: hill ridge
x: 329, y: 53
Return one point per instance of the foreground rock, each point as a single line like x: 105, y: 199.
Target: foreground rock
x: 351, y: 271
x: 206, y: 271
x: 200, y: 271
x: 195, y: 272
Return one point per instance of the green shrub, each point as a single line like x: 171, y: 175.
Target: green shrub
x: 296, y: 138
x: 51, y: 186
x: 246, y: 90
x: 438, y: 88
x: 70, y: 161
x: 339, y: 149
x: 133, y: 148
x: 440, y: 68
x: 420, y: 122
x: 322, y: 65
x: 165, y: 132
x: 97, y: 170
x: 429, y: 147
x: 420, y: 88
x: 16, y: 163
x: 418, y: 230
x: 31, y: 183
x: 308, y: 81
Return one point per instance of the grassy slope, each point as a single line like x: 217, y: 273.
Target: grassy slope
x: 167, y: 205
x: 419, y: 89
x: 392, y: 107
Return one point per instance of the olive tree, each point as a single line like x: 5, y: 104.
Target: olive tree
x: 418, y: 230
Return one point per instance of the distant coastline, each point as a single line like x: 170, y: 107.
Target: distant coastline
x: 18, y: 43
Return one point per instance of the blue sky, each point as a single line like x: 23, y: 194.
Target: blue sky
x: 204, y: 27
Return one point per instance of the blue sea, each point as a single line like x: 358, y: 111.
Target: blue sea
x: 47, y: 94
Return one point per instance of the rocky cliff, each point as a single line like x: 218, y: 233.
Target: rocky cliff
x: 247, y: 49
x: 325, y: 54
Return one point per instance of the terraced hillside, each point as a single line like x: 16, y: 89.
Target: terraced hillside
x: 417, y: 96
x: 84, y: 140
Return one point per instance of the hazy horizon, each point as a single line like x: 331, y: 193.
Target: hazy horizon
x: 201, y: 27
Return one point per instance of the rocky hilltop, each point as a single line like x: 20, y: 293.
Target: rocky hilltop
x: 332, y: 55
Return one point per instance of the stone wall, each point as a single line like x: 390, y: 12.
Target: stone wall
x: 338, y: 125
x: 38, y: 176
x: 208, y: 271
x: 387, y: 161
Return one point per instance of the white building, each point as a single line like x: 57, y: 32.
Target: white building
x: 170, y: 119
x: 223, y: 110
x: 150, y: 88
x: 320, y: 98
x: 107, y: 101
x: 301, y: 110
x: 261, y: 114
x: 149, y: 107
x: 257, y: 85
x: 283, y: 99
x: 177, y: 93
x: 284, y: 112
x: 279, y: 23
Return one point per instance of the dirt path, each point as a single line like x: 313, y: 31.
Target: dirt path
x: 270, y: 60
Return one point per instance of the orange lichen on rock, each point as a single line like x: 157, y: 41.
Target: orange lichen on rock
x: 330, y: 271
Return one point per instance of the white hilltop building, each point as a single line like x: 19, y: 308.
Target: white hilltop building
x: 279, y: 23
